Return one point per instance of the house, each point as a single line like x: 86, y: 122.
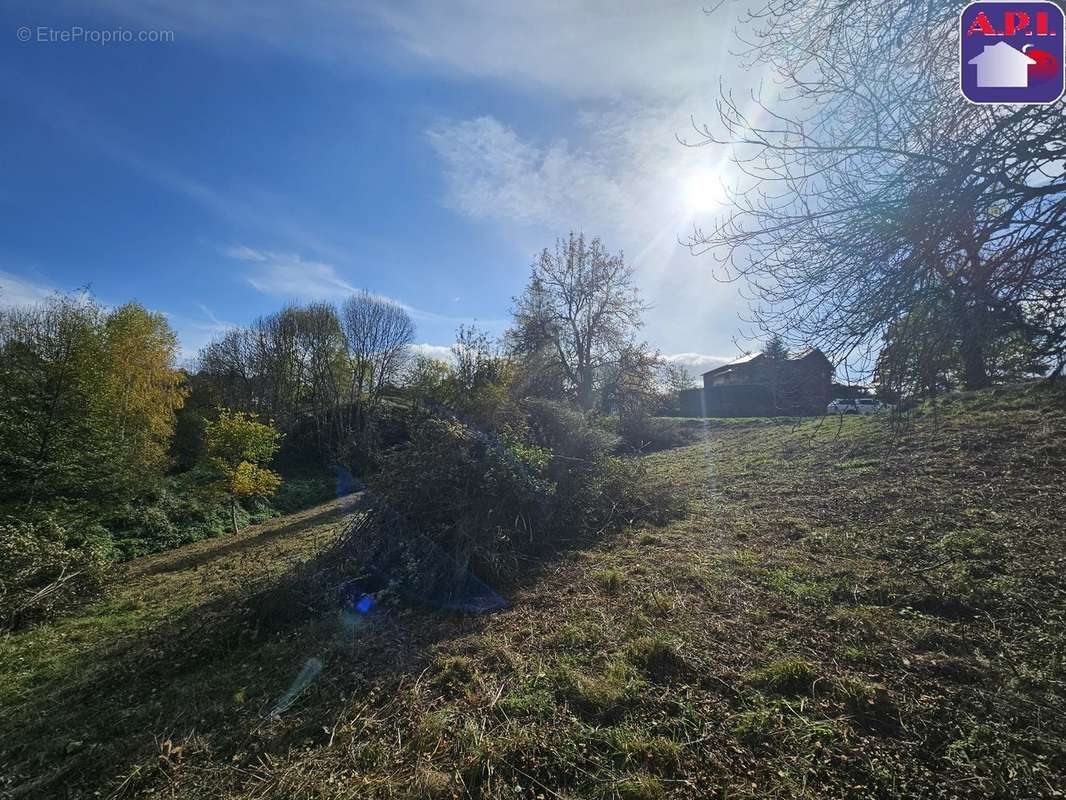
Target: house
x: 756, y: 386
x: 1001, y: 66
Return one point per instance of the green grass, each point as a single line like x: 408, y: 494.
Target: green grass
x: 788, y: 676
x: 610, y: 581
x: 864, y: 607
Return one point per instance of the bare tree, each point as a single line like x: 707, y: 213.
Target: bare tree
x: 378, y: 335
x: 581, y: 306
x: 870, y: 185
x: 314, y: 371
x: 287, y: 367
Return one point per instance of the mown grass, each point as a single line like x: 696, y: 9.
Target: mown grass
x: 868, y: 607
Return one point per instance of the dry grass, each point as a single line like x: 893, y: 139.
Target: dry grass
x: 858, y: 610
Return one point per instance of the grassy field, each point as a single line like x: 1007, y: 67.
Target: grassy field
x: 856, y: 608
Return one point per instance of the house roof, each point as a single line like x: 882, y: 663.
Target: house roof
x: 739, y: 360
x: 748, y: 358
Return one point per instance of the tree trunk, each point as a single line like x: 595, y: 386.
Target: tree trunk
x: 975, y: 372
x: 233, y: 513
x: 585, y: 397
x: 974, y: 344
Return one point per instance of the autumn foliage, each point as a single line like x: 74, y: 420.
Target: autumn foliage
x: 238, y: 447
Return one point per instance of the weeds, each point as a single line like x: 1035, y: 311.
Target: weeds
x: 610, y: 581
x: 808, y: 635
x: 788, y: 676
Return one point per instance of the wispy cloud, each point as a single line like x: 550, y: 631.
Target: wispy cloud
x: 596, y: 48
x: 213, y: 322
x: 194, y: 333
x: 492, y: 173
x: 18, y: 291
x: 591, y: 49
x: 291, y: 276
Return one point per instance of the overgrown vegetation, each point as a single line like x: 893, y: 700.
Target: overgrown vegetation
x: 803, y: 631
x: 512, y: 447
x: 455, y: 499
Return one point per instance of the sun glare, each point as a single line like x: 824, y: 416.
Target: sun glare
x: 703, y: 192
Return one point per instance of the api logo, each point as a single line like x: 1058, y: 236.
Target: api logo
x: 1011, y: 52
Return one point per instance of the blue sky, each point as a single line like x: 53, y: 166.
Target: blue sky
x: 424, y: 151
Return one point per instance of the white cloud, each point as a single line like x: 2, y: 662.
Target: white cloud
x: 438, y: 351
x: 492, y: 173
x: 697, y: 363
x: 699, y: 360
x: 596, y: 48
x: 17, y: 291
x: 289, y: 275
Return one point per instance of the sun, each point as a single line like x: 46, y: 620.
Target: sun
x: 703, y: 191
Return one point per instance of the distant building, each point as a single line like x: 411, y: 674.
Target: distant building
x: 755, y: 386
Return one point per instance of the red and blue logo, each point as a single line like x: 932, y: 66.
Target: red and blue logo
x: 1011, y: 52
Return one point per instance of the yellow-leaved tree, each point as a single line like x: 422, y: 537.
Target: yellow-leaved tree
x: 144, y: 389
x: 237, y: 448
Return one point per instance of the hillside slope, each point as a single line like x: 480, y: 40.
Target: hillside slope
x: 854, y: 608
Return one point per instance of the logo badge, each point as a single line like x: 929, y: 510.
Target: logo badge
x: 1011, y: 52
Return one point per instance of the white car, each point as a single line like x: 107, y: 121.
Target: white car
x: 857, y: 405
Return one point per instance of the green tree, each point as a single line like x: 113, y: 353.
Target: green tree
x: 53, y: 442
x: 775, y: 349
x: 776, y: 354
x: 237, y: 448
x: 429, y: 380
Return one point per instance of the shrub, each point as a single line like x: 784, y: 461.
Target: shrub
x: 44, y: 570
x: 176, y: 512
x: 568, y: 433
x: 465, y: 491
x: 645, y: 433
x: 453, y: 497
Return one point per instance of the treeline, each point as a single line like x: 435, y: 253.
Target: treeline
x: 110, y: 450
x: 321, y: 373
x: 82, y: 387
x: 331, y: 377
x: 88, y: 399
